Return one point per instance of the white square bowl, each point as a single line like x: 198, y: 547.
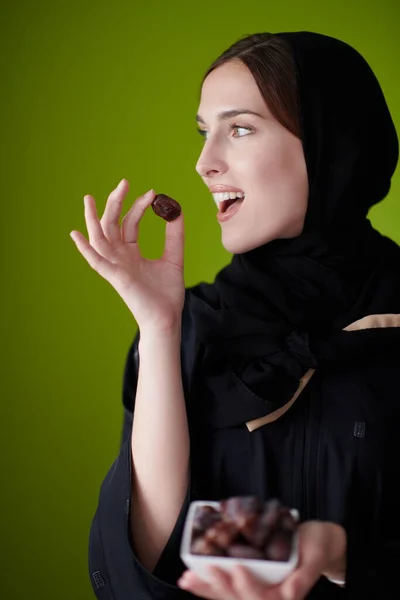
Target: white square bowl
x: 270, y: 571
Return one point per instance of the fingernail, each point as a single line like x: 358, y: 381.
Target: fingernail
x: 120, y: 184
x: 148, y: 194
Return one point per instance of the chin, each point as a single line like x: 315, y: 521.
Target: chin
x: 240, y: 245
x: 237, y: 243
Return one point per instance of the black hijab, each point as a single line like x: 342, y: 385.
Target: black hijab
x: 278, y: 310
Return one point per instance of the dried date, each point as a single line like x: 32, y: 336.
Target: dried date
x: 205, y: 547
x: 222, y: 534
x: 204, y: 517
x: 165, y: 207
x: 278, y: 547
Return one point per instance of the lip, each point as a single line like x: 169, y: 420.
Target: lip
x: 228, y: 215
x: 223, y: 188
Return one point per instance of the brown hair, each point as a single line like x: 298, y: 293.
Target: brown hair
x: 269, y: 59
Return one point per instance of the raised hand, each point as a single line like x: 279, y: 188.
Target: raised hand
x: 153, y: 290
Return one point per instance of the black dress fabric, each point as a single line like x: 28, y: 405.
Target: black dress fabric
x: 333, y: 456
x: 271, y: 315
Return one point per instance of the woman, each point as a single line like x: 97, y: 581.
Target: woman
x: 280, y: 378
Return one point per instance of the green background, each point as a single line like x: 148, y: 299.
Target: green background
x: 92, y: 92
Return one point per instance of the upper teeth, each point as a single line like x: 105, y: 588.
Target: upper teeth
x: 220, y: 196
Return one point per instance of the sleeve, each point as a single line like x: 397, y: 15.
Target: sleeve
x: 115, y: 571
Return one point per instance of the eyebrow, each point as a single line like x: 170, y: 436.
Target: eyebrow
x: 228, y: 114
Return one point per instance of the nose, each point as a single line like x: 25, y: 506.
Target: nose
x: 210, y: 162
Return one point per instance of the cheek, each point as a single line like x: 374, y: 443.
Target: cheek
x: 282, y: 168
x: 256, y: 168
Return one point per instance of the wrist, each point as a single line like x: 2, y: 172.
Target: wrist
x: 152, y: 334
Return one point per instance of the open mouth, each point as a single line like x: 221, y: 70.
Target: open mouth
x: 224, y: 205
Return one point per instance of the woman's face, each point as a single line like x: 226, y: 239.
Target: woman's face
x: 254, y: 154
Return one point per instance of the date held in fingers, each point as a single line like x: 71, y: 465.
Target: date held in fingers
x: 166, y: 207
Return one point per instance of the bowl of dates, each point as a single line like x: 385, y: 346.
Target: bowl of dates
x: 242, y: 530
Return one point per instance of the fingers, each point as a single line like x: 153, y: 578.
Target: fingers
x: 112, y: 212
x: 219, y: 587
x: 175, y: 241
x: 248, y: 587
x: 197, y: 586
x: 95, y: 260
x: 96, y: 235
x: 222, y: 584
x: 242, y: 585
x: 130, y: 223
x: 297, y: 585
x: 311, y: 560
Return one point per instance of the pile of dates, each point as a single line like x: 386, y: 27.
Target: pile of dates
x: 244, y: 527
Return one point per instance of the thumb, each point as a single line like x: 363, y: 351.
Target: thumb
x: 298, y: 584
x: 175, y: 241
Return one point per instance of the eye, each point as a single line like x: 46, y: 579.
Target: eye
x: 232, y: 126
x: 202, y: 132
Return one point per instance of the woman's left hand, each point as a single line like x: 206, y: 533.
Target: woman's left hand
x: 322, y: 551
